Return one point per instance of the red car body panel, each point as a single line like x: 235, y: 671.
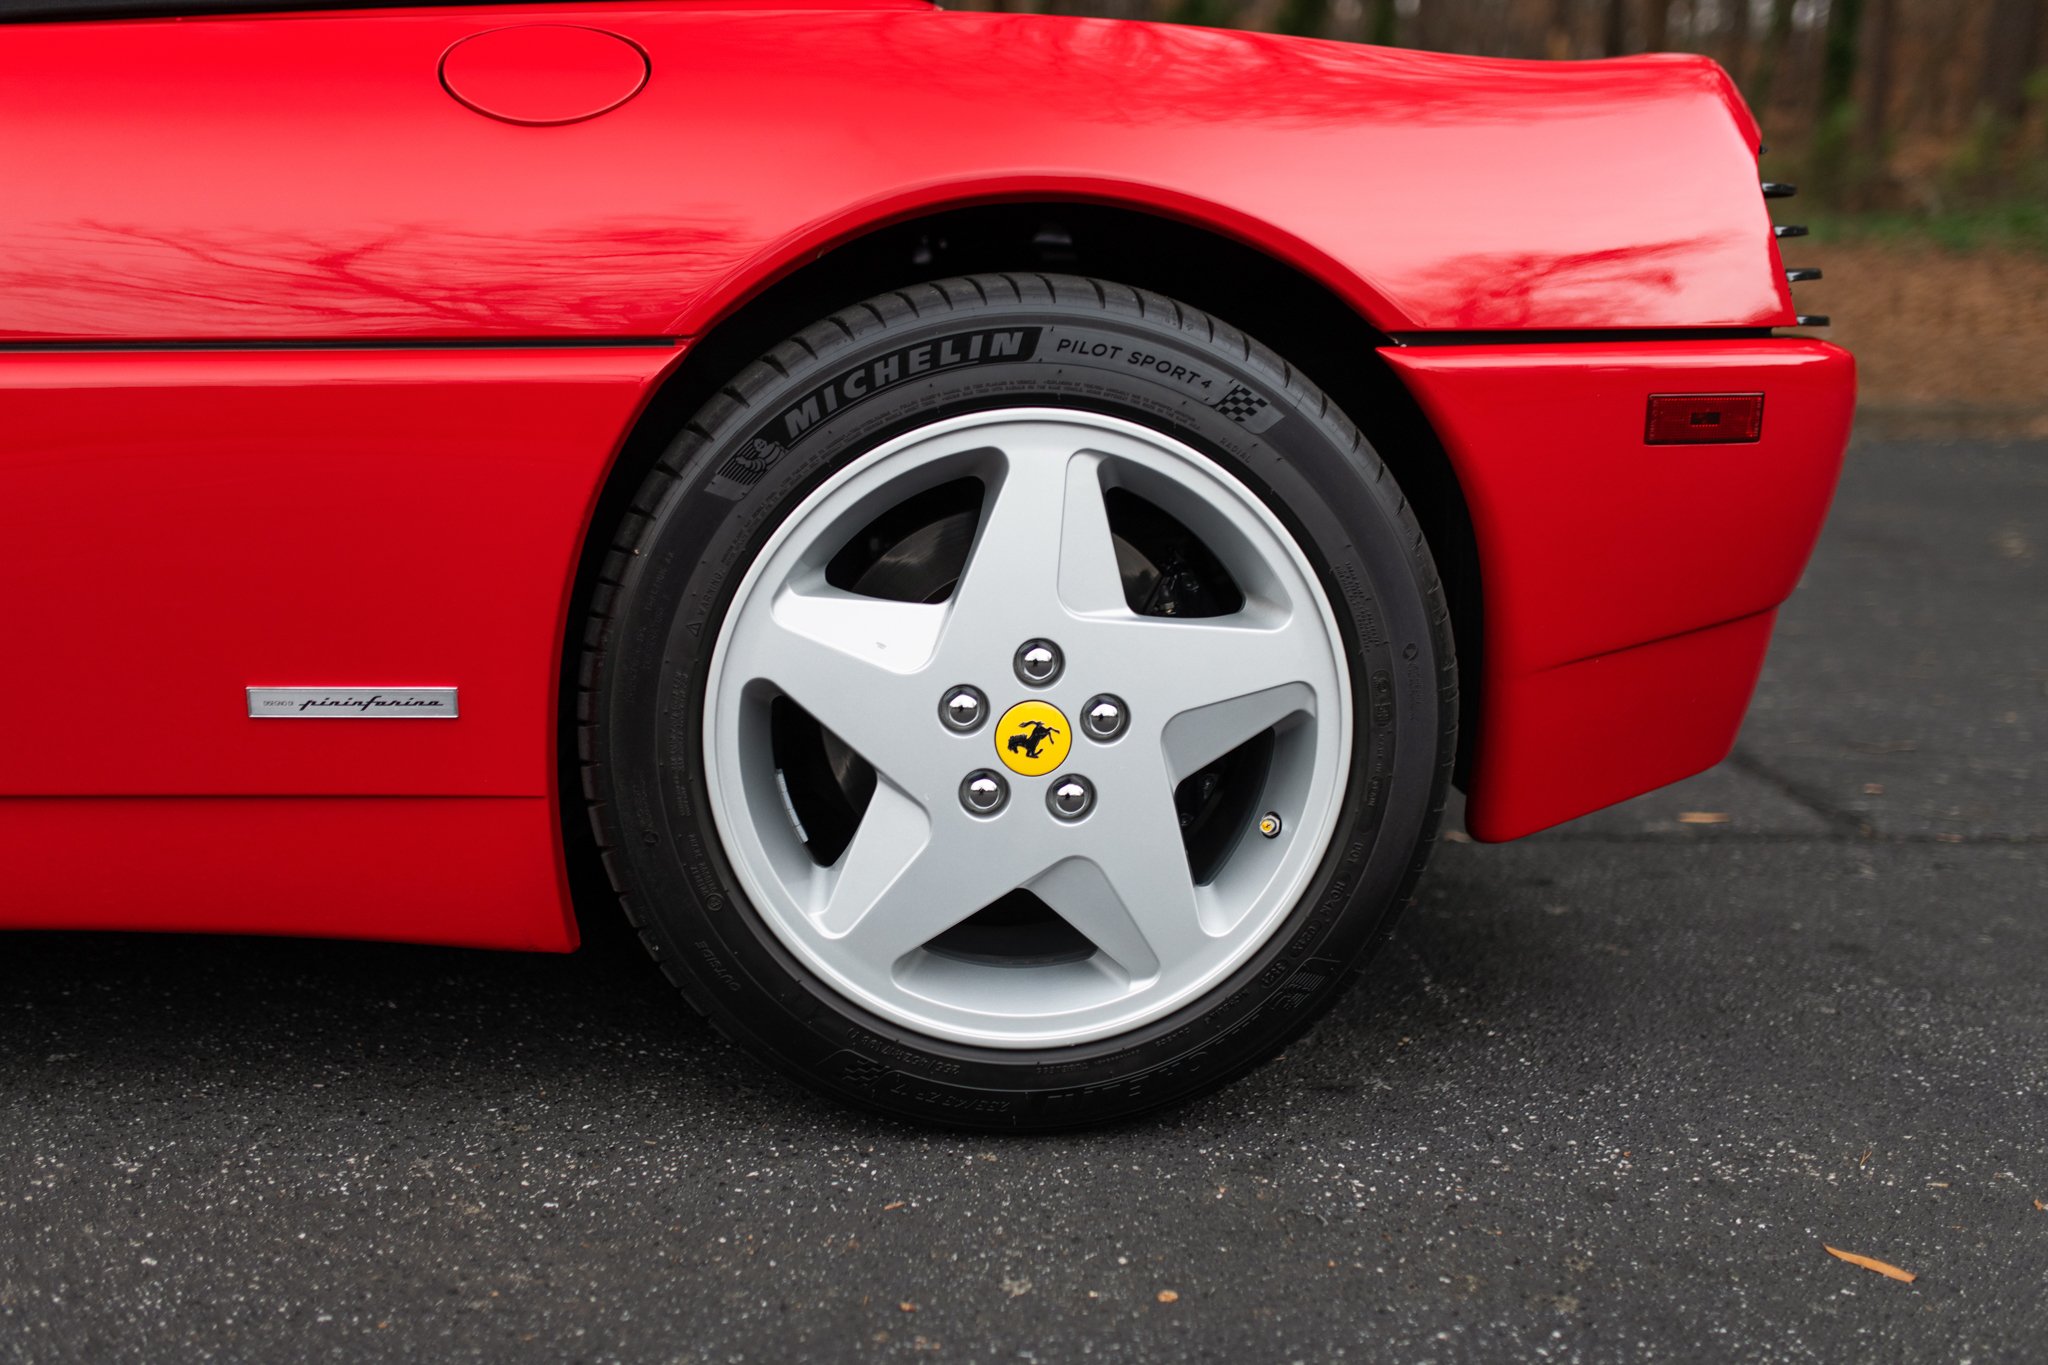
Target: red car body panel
x: 1629, y: 587
x: 176, y: 526
x: 307, y: 176
x: 354, y: 518
x: 476, y: 872
x: 477, y: 311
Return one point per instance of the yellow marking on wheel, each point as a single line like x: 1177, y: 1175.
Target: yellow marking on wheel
x: 1033, y: 738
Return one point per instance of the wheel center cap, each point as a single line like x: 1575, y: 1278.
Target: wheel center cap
x: 1033, y: 738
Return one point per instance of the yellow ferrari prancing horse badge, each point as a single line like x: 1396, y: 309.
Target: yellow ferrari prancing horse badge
x: 1033, y: 738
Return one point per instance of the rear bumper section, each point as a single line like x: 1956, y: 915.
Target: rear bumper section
x: 1629, y: 588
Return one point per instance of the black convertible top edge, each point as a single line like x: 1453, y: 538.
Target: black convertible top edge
x: 59, y: 11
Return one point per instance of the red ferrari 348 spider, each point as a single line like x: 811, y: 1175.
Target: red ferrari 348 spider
x: 998, y: 531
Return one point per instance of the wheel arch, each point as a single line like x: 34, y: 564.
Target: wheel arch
x: 1299, y: 315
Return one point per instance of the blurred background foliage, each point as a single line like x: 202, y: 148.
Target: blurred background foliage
x: 1913, y: 117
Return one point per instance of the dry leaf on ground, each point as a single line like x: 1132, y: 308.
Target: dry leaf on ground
x: 1702, y: 817
x: 1168, y: 1296
x: 1890, y: 1272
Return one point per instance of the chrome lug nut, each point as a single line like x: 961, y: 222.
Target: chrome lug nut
x: 984, y: 792
x: 1105, y: 717
x: 1070, y: 798
x: 963, y: 709
x: 1038, y: 662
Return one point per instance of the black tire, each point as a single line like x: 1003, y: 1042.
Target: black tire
x: 739, y: 466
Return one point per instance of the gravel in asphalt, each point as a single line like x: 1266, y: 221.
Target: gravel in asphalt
x: 1605, y: 1097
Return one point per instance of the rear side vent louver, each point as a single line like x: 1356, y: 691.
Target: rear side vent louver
x: 1774, y: 189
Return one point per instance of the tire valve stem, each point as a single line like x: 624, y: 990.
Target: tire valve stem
x: 1269, y: 825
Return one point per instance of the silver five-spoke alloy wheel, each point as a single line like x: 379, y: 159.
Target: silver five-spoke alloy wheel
x: 884, y: 676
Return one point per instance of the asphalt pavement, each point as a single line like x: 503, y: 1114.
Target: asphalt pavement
x: 1608, y: 1095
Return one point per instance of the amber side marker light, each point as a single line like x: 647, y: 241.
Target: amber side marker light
x: 1704, y: 418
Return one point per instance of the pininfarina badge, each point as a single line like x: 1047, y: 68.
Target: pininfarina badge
x: 352, y: 703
